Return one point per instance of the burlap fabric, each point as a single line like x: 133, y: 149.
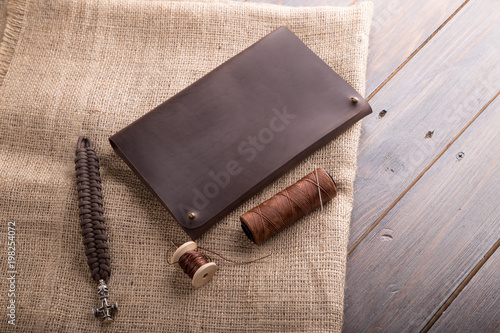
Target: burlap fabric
x: 90, y: 67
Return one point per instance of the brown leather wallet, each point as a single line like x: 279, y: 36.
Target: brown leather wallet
x: 228, y: 135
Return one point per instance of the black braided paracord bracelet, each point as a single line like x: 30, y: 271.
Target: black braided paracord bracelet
x: 88, y: 181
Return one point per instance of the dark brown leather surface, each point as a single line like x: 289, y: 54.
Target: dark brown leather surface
x: 228, y: 135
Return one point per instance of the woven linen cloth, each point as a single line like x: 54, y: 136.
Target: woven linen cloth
x: 91, y: 67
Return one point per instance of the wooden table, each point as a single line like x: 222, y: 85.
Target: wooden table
x: 426, y: 222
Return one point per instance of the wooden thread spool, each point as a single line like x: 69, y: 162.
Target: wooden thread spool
x: 288, y: 206
x: 203, y: 270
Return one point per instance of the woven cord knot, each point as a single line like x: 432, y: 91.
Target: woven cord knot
x: 88, y: 181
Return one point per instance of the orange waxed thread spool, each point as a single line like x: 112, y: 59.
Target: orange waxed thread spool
x: 275, y: 214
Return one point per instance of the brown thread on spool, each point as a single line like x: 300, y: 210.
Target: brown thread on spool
x: 288, y: 206
x: 196, y: 265
x: 191, y: 261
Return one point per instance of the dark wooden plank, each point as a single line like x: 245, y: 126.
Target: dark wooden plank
x: 410, y: 264
x: 399, y: 28
x: 477, y: 307
x: 439, y: 91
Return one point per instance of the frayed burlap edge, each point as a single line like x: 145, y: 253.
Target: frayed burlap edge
x: 11, y: 34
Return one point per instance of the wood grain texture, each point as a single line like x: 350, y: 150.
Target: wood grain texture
x: 440, y: 91
x: 477, y: 307
x: 399, y: 27
x: 407, y: 267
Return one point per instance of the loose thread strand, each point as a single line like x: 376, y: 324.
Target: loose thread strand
x: 236, y: 262
x: 319, y: 190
